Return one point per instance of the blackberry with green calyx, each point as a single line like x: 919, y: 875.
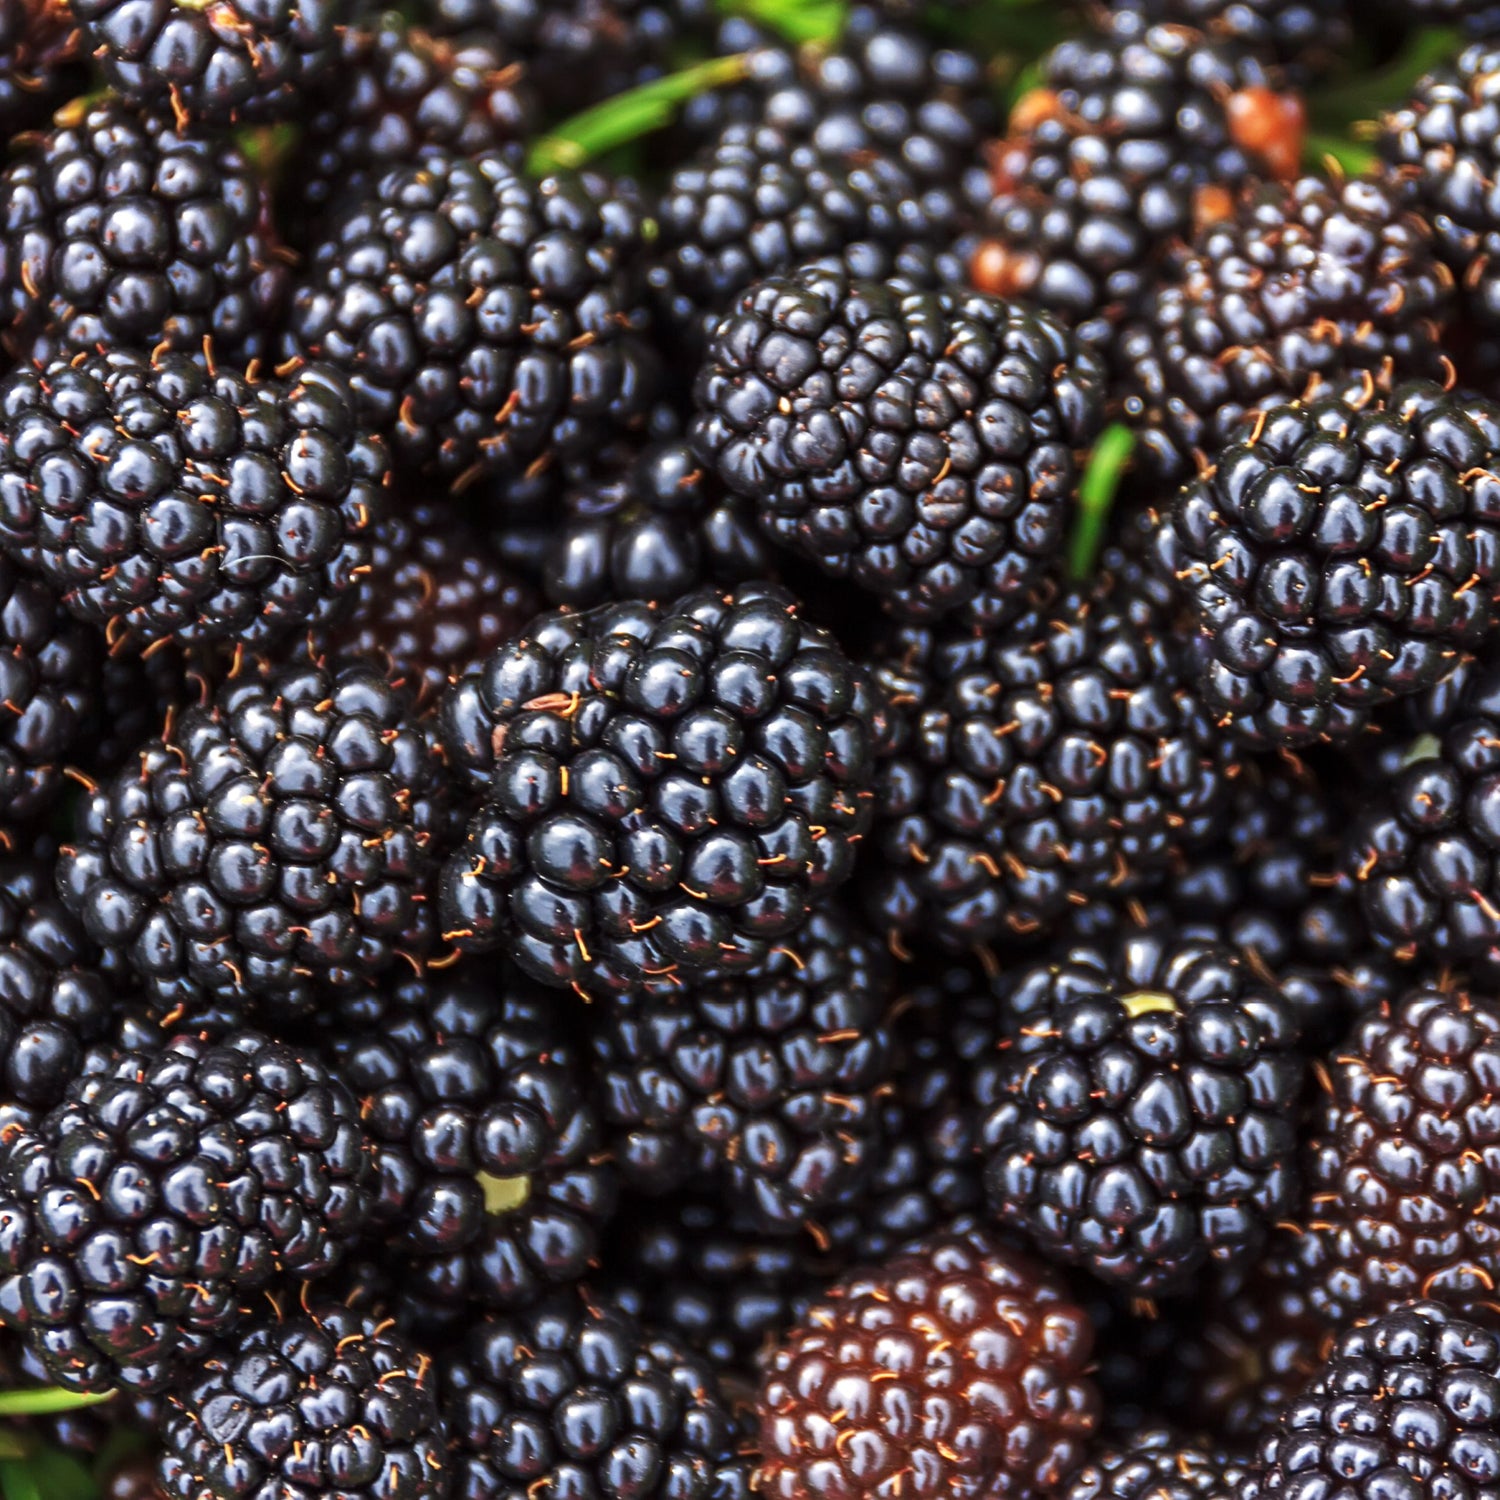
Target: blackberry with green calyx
x: 278, y: 842
x: 986, y: 1344
x: 1341, y: 554
x: 1304, y: 281
x: 1143, y: 1122
x: 769, y: 1080
x: 1059, y: 759
x: 668, y: 789
x: 168, y: 501
x: 924, y: 445
x: 579, y: 1399
x: 489, y: 323
x: 166, y: 1188
x: 1157, y: 1464
x: 494, y: 1181
x: 121, y: 230
x: 313, y: 1400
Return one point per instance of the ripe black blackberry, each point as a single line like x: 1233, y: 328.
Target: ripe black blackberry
x: 1060, y: 758
x: 668, y: 789
x: 494, y: 1185
x: 1307, y: 36
x: 1406, y: 1404
x: 1343, y: 553
x: 120, y: 230
x: 317, y: 1401
x: 769, y: 1080
x: 168, y: 501
x: 280, y: 840
x: 487, y: 322
x: 577, y: 1399
x: 657, y: 529
x: 986, y: 1346
x: 924, y: 445
x: 166, y: 1187
x: 1157, y: 1464
x: 1304, y: 281
x: 1144, y: 1116
x: 38, y: 61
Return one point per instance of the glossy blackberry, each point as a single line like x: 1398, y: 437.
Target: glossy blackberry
x: 577, y: 1399
x: 167, y: 501
x: 1157, y: 1464
x: 494, y: 1182
x: 1306, y: 35
x: 1059, y: 758
x: 1144, y: 1120
x: 1401, y: 1154
x: 38, y: 57
x: 166, y: 1187
x: 487, y: 322
x: 924, y: 445
x: 313, y: 1401
x: 277, y: 842
x: 987, y: 1347
x: 668, y: 789
x: 657, y: 529
x: 435, y: 601
x: 1340, y: 555
x: 121, y: 230
x: 1406, y: 1404
x: 1135, y: 128
x: 770, y: 1080
x: 1304, y: 281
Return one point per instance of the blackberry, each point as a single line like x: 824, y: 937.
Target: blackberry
x: 1143, y: 1122
x: 494, y: 1184
x: 925, y: 445
x: 1059, y: 759
x: 1307, y: 36
x: 668, y: 789
x: 580, y: 1400
x: 1304, y: 281
x: 169, y: 501
x: 1156, y: 1464
x: 487, y: 322
x: 232, y: 61
x: 987, y: 1347
x: 319, y: 1402
x: 278, y: 841
x: 769, y: 1079
x: 1405, y: 1404
x: 122, y: 231
x: 166, y: 1187
x: 657, y: 529
x: 1340, y: 555
x: 38, y: 56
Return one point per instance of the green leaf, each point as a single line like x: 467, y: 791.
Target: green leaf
x: 60, y: 1476
x: 802, y: 22
x: 1352, y: 158
x: 14, y: 1444
x: 45, y: 1401
x: 19, y: 1482
x: 1096, y: 497
x: 629, y: 115
x: 1334, y: 109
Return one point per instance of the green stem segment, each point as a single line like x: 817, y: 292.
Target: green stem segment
x: 46, y: 1401
x: 801, y: 22
x: 1096, y: 497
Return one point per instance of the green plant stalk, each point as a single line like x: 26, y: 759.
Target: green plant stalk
x: 1096, y: 498
x: 801, y: 22
x: 46, y: 1401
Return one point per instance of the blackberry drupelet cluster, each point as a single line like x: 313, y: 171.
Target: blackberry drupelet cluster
x: 924, y: 445
x: 984, y: 1344
x: 667, y: 789
x: 1303, y: 282
x: 165, y: 1188
x: 279, y: 841
x: 38, y: 60
x: 1156, y: 1464
x: 494, y: 1183
x: 1341, y: 554
x: 1307, y: 36
x: 488, y: 322
x: 169, y: 501
x: 769, y: 1080
x: 121, y: 230
x: 1061, y: 758
x: 319, y: 1400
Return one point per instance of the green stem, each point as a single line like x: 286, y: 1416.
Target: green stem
x: 1096, y: 497
x: 1352, y: 158
x: 46, y: 1400
x: 801, y: 22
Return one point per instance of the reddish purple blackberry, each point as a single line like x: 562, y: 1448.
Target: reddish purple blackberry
x: 169, y: 501
x: 279, y: 841
x: 1143, y: 1122
x: 924, y: 445
x: 1156, y: 1464
x: 316, y: 1401
x: 957, y: 1365
x: 120, y: 230
x: 494, y: 1185
x: 668, y: 789
x: 168, y: 1185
